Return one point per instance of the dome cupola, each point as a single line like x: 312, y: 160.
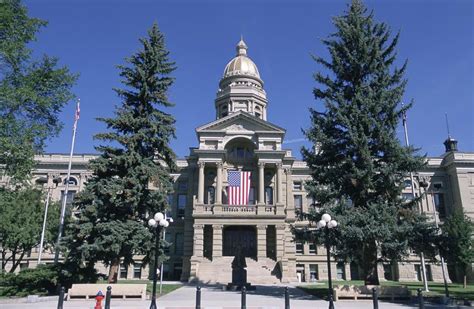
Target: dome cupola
x: 241, y: 88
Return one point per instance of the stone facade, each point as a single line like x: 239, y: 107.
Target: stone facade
x: 207, y: 230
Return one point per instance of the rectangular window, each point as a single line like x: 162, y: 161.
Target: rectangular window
x: 418, y: 272
x: 178, y: 244
x: 269, y: 195
x: 181, y: 205
x: 387, y: 272
x: 313, y: 249
x: 440, y: 205
x: 298, y: 199
x: 137, y: 271
x: 299, y: 248
x: 340, y: 271
x: 70, y: 197
x: 297, y: 186
x: 313, y: 272
x: 182, y: 186
x: 252, y: 196
x: 169, y: 240
x: 407, y: 196
x: 123, y: 271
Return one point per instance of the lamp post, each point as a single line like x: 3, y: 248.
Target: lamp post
x: 327, y: 224
x: 157, y: 222
x: 170, y: 220
x: 424, y: 184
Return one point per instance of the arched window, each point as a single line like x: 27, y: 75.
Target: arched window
x: 72, y: 181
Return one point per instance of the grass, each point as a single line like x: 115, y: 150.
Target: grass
x: 436, y: 289
x: 166, y: 288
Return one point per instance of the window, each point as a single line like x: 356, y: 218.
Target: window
x: 418, y: 272
x: 137, y: 271
x: 313, y: 249
x: 258, y: 115
x: 299, y: 248
x: 182, y: 186
x: 181, y: 205
x: 169, y: 240
x: 70, y: 197
x: 211, y: 195
x: 269, y: 195
x: 123, y: 271
x: 429, y: 274
x: 300, y: 273
x: 252, y: 196
x: 440, y: 205
x: 72, y: 181
x: 388, y: 272
x: 407, y: 197
x: 407, y: 183
x: 297, y: 186
x: 298, y: 203
x: 340, y: 271
x: 178, y: 244
x: 313, y: 272
x: 438, y: 185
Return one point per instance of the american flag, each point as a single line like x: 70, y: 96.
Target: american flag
x: 238, y: 190
x: 77, y: 113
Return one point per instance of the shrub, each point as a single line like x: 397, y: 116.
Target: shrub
x: 42, y: 280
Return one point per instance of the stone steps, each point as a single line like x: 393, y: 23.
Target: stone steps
x: 220, y: 271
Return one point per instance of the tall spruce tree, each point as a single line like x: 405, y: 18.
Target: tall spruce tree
x: 357, y: 163
x: 131, y: 177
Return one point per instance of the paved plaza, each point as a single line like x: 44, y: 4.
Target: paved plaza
x: 264, y: 297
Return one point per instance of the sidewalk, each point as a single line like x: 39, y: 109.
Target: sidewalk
x: 264, y: 297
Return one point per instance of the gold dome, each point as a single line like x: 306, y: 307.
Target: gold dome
x: 241, y: 64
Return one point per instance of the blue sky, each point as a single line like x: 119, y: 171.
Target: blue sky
x: 92, y: 37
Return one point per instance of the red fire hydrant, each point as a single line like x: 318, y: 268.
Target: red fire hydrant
x: 99, y: 297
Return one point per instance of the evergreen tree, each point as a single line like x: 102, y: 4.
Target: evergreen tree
x: 131, y: 177
x: 357, y: 163
x: 457, y: 245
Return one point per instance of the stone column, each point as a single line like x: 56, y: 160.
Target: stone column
x: 280, y: 240
x: 216, y: 240
x: 219, y: 183
x: 201, y: 183
x: 279, y: 183
x: 261, y: 183
x: 261, y: 241
x: 198, y: 247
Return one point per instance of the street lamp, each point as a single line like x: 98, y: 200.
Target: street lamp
x: 157, y: 222
x: 326, y: 223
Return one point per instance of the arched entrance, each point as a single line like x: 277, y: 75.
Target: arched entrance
x: 240, y: 238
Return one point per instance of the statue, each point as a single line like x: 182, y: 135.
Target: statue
x: 239, y: 273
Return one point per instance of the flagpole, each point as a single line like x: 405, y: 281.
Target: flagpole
x: 422, y: 255
x: 64, y: 201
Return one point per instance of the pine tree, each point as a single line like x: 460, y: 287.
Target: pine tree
x: 357, y: 163
x: 457, y: 245
x: 131, y: 177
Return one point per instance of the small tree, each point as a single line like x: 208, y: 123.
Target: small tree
x: 118, y: 199
x: 457, y: 245
x: 21, y: 222
x: 357, y: 163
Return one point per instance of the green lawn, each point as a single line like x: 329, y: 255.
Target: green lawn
x: 436, y: 289
x: 166, y: 288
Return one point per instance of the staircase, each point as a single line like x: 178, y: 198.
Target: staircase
x: 219, y: 270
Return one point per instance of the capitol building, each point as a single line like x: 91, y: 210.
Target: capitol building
x: 210, y: 224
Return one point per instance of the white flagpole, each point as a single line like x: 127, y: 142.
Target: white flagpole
x: 422, y: 255
x: 64, y: 201
x: 44, y: 225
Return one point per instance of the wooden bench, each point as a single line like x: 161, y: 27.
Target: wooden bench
x: 90, y: 290
x: 365, y: 292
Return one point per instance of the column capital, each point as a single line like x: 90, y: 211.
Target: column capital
x: 279, y: 165
x: 198, y: 226
x: 201, y: 164
x: 261, y: 164
x: 220, y: 164
x: 217, y: 226
x: 280, y: 227
x: 287, y: 170
x: 262, y: 226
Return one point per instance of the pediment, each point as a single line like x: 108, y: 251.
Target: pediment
x: 240, y: 122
